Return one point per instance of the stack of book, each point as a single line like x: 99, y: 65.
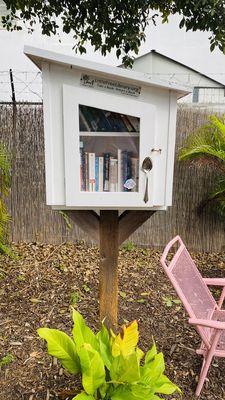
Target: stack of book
x: 97, y: 120
x: 107, y: 173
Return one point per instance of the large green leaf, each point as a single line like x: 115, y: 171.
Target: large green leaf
x: 61, y: 346
x: 126, y: 341
x: 83, y: 396
x: 132, y: 392
x: 82, y: 333
x: 151, y: 353
x: 153, y: 370
x: 104, y: 346
x: 93, y: 375
x: 165, y: 386
x: 125, y: 369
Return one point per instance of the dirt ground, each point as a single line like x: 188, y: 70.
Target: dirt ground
x: 37, y: 289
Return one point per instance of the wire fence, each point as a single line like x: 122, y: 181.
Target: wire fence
x: 26, y: 86
x: 20, y: 86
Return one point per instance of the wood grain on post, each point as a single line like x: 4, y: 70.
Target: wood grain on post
x: 108, y: 279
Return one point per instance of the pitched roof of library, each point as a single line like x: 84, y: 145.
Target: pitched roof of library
x: 38, y: 55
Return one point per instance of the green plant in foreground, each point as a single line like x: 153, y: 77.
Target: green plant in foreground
x: 206, y: 147
x: 112, y: 366
x: 6, y: 360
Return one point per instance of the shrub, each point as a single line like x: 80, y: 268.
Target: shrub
x: 112, y: 366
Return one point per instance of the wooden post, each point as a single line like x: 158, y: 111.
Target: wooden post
x: 108, y: 278
x: 109, y: 230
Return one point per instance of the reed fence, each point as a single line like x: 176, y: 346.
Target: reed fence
x: 21, y: 129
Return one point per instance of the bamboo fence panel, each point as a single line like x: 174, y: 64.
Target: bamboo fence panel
x: 21, y: 130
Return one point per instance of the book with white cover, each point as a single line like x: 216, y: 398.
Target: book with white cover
x: 120, y: 174
x: 91, y: 170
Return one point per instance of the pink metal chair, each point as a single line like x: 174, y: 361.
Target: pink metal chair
x: 205, y: 314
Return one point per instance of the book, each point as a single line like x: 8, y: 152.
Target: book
x: 113, y: 175
x: 100, y: 174
x: 86, y: 172
x: 97, y: 174
x: 91, y: 172
x: 82, y: 167
x: 106, y: 172
x: 83, y: 124
x: 127, y: 123
x: 135, y: 122
x: 126, y: 168
x: 135, y: 172
x: 120, y: 171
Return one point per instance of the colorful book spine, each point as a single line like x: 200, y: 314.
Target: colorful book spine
x: 97, y: 174
x: 106, y: 172
x: 126, y: 166
x: 91, y: 170
x: 135, y: 172
x: 86, y: 171
x: 120, y: 170
x: 113, y: 175
x: 135, y: 122
x: 82, y: 168
x: 100, y: 174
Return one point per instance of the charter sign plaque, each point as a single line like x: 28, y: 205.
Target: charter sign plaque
x: 110, y: 85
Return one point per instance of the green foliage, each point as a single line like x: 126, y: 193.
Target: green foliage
x: 74, y: 298
x: 6, y: 360
x: 129, y: 246
x: 112, y: 366
x: 4, y: 192
x: 116, y: 24
x: 207, y: 148
x: 169, y: 301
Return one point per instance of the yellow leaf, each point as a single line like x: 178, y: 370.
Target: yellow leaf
x: 126, y: 341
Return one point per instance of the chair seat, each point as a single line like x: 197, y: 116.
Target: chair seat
x: 218, y: 315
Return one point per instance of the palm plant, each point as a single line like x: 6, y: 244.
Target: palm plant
x: 4, y: 192
x: 207, y: 147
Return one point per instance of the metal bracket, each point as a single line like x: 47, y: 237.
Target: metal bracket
x: 156, y: 151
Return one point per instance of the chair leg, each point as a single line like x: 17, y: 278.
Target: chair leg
x: 205, y: 366
x: 206, y: 363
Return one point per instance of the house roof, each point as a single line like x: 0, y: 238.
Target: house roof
x: 180, y: 63
x: 38, y: 55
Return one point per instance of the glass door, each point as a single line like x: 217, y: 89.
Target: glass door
x: 109, y: 150
x: 106, y: 138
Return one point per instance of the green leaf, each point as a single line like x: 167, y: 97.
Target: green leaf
x: 94, y: 372
x: 82, y: 333
x: 165, y: 386
x: 61, y: 346
x: 153, y: 370
x: 83, y: 396
x: 104, y: 346
x: 132, y: 392
x: 125, y: 369
x: 140, y: 354
x: 151, y: 353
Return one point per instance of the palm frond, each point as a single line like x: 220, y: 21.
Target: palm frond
x: 215, y: 199
x: 208, y: 141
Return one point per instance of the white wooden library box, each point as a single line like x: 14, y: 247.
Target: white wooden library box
x: 100, y: 123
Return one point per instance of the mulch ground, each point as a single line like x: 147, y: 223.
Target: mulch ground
x: 37, y: 289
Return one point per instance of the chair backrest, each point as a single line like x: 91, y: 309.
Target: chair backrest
x: 189, y: 284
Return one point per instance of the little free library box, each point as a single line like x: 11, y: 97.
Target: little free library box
x: 109, y: 153
x: 109, y: 135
